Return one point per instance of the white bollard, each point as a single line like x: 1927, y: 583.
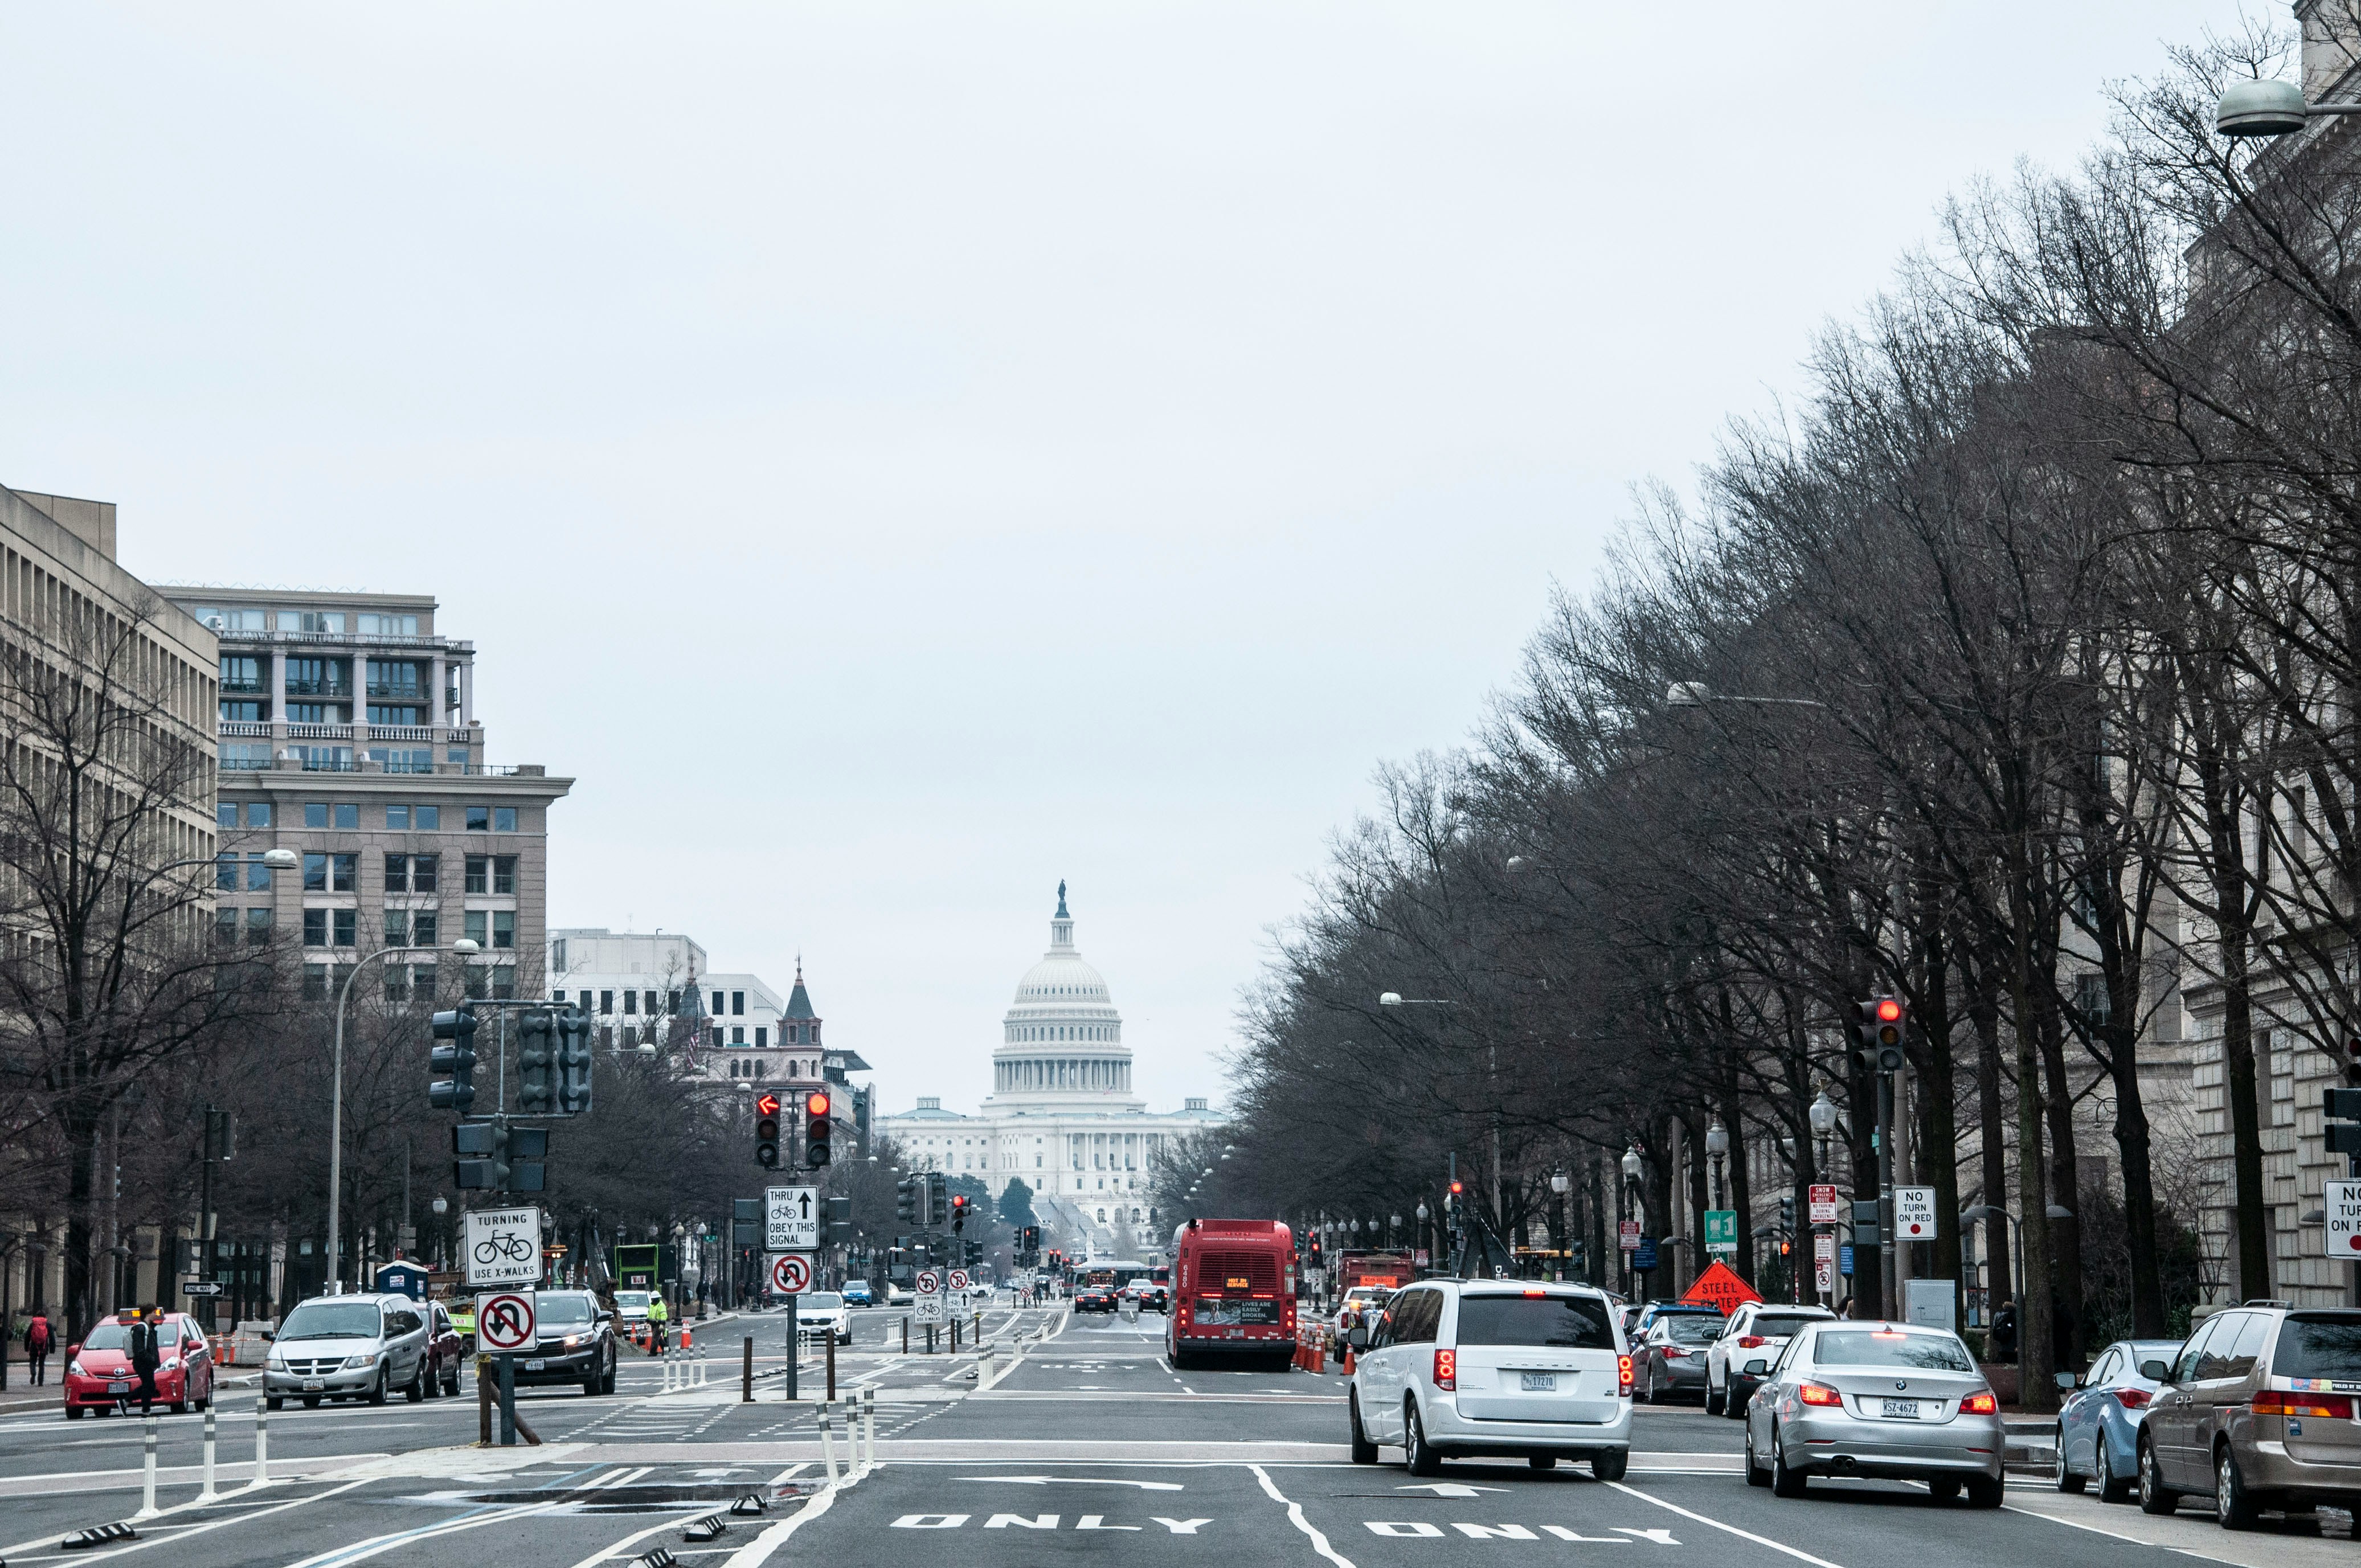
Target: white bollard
x: 208, y: 1495
x: 147, y: 1469
x: 828, y: 1440
x: 869, y: 1419
x: 261, y: 1443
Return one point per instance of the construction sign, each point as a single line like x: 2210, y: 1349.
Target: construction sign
x: 1720, y: 1286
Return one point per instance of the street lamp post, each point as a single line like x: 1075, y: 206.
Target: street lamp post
x: 1559, y: 1182
x: 1823, y: 1117
x: 1625, y: 1209
x: 336, y: 1098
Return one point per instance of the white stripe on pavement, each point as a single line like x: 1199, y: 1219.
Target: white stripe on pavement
x: 1295, y: 1517
x: 1726, y: 1529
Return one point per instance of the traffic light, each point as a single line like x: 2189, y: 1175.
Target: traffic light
x: 1880, y: 1022
x: 815, y: 1128
x: 510, y: 1156
x: 536, y: 1063
x: 839, y: 1221
x: 767, y: 1129
x: 938, y: 1200
x: 906, y: 1201
x: 2342, y: 1107
x: 1787, y: 1211
x: 457, y: 1057
x: 1029, y: 1240
x: 573, y: 1061
x: 959, y: 1213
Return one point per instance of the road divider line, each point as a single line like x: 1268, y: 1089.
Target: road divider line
x: 1295, y: 1517
x: 757, y: 1552
x: 1798, y: 1554
x: 241, y: 1514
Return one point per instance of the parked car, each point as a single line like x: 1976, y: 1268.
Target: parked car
x: 2257, y: 1409
x: 1895, y: 1400
x: 446, y: 1352
x: 1757, y: 1326
x: 1094, y: 1299
x: 856, y: 1293
x: 575, y: 1343
x: 1494, y: 1367
x: 1671, y: 1358
x: 2098, y: 1426
x: 349, y: 1348
x: 99, y: 1375
x: 822, y: 1314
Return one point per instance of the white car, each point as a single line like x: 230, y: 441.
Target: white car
x: 1497, y: 1368
x: 1361, y: 1304
x: 632, y: 1306
x: 1758, y: 1327
x: 823, y: 1314
x: 897, y: 1295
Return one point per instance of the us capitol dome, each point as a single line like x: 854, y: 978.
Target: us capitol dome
x: 1061, y: 1116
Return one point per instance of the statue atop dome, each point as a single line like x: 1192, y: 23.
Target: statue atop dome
x: 1061, y: 900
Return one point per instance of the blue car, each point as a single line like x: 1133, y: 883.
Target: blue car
x: 856, y: 1293
x: 2099, y: 1424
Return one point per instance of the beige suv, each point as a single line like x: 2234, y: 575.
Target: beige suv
x: 2256, y: 1407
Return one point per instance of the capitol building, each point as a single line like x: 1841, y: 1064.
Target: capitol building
x: 1061, y: 1116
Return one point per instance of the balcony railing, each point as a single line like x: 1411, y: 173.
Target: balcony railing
x: 390, y: 691
x: 244, y: 688
x: 341, y: 690
x: 245, y: 727
x: 319, y: 732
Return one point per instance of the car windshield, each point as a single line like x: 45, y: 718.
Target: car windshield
x: 1875, y: 1347
x: 630, y: 1298
x: 2321, y: 1346
x: 564, y: 1309
x: 1694, y: 1331
x: 1567, y: 1322
x: 822, y: 1300
x: 108, y: 1336
x: 1770, y: 1327
x: 331, y: 1320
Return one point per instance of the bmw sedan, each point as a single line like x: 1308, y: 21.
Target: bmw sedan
x: 1891, y: 1400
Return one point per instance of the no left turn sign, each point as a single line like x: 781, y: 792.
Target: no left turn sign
x: 504, y: 1320
x: 791, y: 1274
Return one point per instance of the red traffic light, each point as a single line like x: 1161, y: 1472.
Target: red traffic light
x: 766, y: 1104
x: 816, y: 1104
x: 1888, y: 1009
x: 1457, y: 1188
x: 959, y: 1202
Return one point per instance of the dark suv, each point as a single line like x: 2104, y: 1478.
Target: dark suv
x: 576, y: 1344
x: 2257, y: 1409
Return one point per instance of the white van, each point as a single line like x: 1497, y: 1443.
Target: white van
x: 1461, y: 1367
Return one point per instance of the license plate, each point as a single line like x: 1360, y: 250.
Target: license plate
x: 1537, y: 1382
x: 313, y: 1386
x: 1904, y: 1410
x: 118, y: 1388
x: 541, y: 1366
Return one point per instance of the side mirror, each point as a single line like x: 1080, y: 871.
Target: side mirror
x: 2156, y: 1371
x: 1758, y: 1367
x: 2069, y: 1380
x: 270, y: 1337
x: 73, y: 1351
x: 1357, y: 1336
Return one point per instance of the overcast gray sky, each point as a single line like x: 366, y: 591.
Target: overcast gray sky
x: 895, y: 456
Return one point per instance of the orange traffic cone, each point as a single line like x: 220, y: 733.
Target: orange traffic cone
x: 683, y: 1336
x: 1348, y: 1360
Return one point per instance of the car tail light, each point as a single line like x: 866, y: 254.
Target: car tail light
x: 2131, y: 1399
x: 2284, y: 1402
x: 1818, y: 1394
x: 1673, y: 1352
x: 1979, y: 1405
x: 1446, y: 1369
x: 1623, y: 1373
x: 1750, y: 1342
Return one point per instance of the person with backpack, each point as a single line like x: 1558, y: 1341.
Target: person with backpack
x: 39, y: 1340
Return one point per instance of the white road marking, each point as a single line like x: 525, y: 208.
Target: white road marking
x: 1295, y: 1517
x: 757, y: 1552
x: 240, y: 1517
x: 1075, y: 1480
x: 1726, y: 1529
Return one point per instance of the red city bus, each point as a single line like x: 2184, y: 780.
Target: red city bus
x: 1233, y: 1292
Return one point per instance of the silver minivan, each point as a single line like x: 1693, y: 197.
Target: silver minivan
x: 349, y: 1348
x: 1468, y: 1368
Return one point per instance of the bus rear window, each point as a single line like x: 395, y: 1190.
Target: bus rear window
x: 1564, y: 1323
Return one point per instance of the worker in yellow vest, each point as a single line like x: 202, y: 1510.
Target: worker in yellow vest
x: 656, y: 1315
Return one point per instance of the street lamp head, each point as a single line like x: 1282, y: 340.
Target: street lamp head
x: 1688, y: 694
x: 1717, y: 1138
x: 1424, y: 1212
x: 1981, y: 1212
x: 1560, y: 1181
x: 281, y: 860
x: 1519, y: 865
x: 442, y: 1205
x: 1395, y: 1219
x: 467, y: 944
x: 1390, y: 999
x: 1823, y: 1115
x: 2055, y: 1212
x: 2259, y: 109
x: 1631, y: 1163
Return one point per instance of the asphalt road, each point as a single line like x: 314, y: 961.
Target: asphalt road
x: 1089, y: 1445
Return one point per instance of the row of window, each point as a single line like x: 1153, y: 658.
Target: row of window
x: 398, y: 819
x: 248, y: 710
x: 328, y: 622
x: 483, y: 980
x: 490, y: 928
x: 256, y: 756
x: 339, y: 872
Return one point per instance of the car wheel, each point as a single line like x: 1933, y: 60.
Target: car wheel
x: 1609, y: 1464
x: 607, y: 1384
x: 2234, y: 1508
x: 1733, y: 1403
x: 273, y: 1402
x: 1784, y: 1482
x: 377, y: 1391
x: 1986, y: 1491
x: 451, y: 1385
x: 1714, y: 1402
x: 2113, y: 1488
x: 1755, y: 1476
x: 1542, y: 1461
x: 179, y: 1407
x: 2061, y: 1475
x: 416, y: 1390
x: 1364, y: 1451
x: 1944, y: 1488
x: 2155, y: 1496
x: 1416, y: 1451
x: 75, y: 1412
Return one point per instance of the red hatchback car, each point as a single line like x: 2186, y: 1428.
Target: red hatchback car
x: 99, y: 1375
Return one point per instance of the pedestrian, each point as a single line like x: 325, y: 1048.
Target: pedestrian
x: 656, y: 1315
x: 39, y: 1339
x: 1844, y: 1308
x: 145, y: 1356
x: 2004, y: 1332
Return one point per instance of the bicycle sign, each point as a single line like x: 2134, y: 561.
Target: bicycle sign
x: 505, y: 1321
x: 502, y: 1246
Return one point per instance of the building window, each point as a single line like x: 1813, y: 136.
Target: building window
x: 347, y: 926
x: 315, y: 982
x: 225, y: 873
x: 479, y: 819
x: 649, y: 998
x: 503, y: 981
x: 422, y: 976
x: 323, y: 622
x: 397, y: 927
x: 343, y: 872
x: 397, y: 818
x: 738, y: 1036
x: 258, y: 814
x: 759, y: 1032
x: 225, y: 926
x: 478, y: 927
x: 737, y: 1003
x: 316, y: 813
x: 423, y: 871
x: 240, y: 712
x: 240, y: 674
x: 397, y: 872
x: 348, y: 814
x: 557, y: 960
x: 458, y: 755
x: 386, y: 713
x: 504, y: 819
x: 396, y: 680
x: 388, y: 626
x: 718, y: 1008
x: 316, y: 874
x: 258, y: 927
x: 479, y: 873
x: 606, y: 1002
x: 504, y: 878
x: 504, y: 928
x: 630, y: 1001
x: 316, y: 927
x: 426, y: 819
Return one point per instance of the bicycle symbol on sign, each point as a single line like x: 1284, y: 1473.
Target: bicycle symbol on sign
x: 506, y: 1245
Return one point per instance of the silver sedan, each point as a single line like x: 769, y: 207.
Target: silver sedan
x: 1890, y: 1400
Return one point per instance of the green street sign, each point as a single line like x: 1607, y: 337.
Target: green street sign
x: 1722, y: 1230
